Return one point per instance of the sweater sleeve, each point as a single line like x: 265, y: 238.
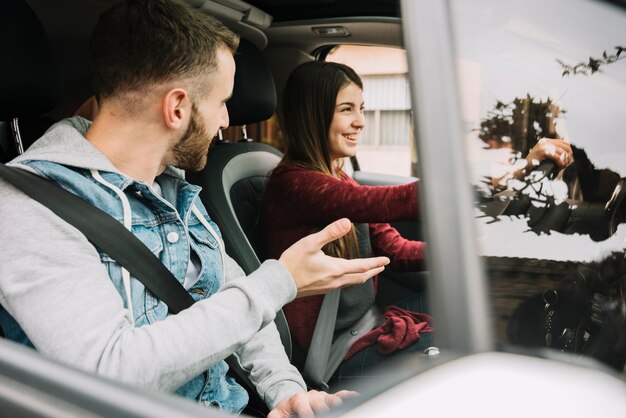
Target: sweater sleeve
x: 405, y: 254
x: 55, y: 286
x: 264, y: 358
x: 310, y: 196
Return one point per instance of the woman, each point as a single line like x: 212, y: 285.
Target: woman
x: 322, y: 119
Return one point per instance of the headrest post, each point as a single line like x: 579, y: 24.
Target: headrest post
x: 244, y: 131
x: 220, y: 136
x: 17, y: 138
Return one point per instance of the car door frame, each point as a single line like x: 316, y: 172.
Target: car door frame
x: 457, y: 283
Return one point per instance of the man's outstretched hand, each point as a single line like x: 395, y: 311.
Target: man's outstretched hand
x: 309, y: 404
x: 315, y: 272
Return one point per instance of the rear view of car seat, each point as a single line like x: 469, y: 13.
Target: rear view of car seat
x: 30, y: 79
x: 30, y: 82
x: 236, y: 173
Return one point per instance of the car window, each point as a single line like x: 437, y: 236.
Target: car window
x: 552, y: 238
x: 385, y: 142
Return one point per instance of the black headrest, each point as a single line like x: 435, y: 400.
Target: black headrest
x: 30, y: 82
x: 254, y: 93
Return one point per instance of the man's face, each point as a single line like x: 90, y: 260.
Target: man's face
x: 207, y: 116
x: 190, y: 153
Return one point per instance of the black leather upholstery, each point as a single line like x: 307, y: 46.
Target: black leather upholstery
x: 31, y: 83
x: 247, y: 195
x: 7, y: 149
x: 254, y: 93
x: 233, y: 185
x: 30, y: 79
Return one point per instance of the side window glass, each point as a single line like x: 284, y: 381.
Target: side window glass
x: 543, y: 99
x: 385, y: 142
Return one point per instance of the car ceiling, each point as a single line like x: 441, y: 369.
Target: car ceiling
x: 286, y: 10
x: 69, y: 24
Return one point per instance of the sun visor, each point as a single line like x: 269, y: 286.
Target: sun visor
x: 246, y: 20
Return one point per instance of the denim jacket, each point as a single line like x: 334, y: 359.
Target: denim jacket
x: 170, y: 226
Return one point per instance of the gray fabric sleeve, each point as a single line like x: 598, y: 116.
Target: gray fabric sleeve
x: 264, y: 356
x: 55, y: 286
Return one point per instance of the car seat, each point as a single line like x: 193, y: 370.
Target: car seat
x: 31, y: 83
x: 236, y: 173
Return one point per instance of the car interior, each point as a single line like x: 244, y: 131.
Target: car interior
x: 238, y: 168
x: 49, y: 52
x: 46, y: 44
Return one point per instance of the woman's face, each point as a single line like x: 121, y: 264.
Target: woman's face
x: 348, y: 122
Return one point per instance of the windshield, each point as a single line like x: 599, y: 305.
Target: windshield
x: 535, y: 70
x: 543, y: 96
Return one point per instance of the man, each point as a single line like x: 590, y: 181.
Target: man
x: 163, y: 74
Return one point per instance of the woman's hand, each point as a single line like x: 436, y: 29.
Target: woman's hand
x: 557, y: 150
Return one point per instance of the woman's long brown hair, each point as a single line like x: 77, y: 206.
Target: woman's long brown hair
x: 308, y: 108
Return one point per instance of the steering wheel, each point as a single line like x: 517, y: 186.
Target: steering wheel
x: 521, y: 202
x: 549, y: 217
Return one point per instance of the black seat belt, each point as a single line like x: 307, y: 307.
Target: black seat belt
x: 106, y: 233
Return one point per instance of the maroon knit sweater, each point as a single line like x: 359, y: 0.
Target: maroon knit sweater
x: 299, y: 201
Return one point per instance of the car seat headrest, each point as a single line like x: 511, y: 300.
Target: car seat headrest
x: 30, y: 79
x: 254, y: 93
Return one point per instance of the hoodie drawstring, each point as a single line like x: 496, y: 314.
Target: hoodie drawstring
x: 128, y: 225
x: 127, y: 216
x: 220, y: 244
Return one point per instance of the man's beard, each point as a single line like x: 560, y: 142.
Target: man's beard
x: 190, y: 153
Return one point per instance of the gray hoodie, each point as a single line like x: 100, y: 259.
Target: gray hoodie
x: 55, y: 286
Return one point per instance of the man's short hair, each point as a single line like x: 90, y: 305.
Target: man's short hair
x: 140, y: 43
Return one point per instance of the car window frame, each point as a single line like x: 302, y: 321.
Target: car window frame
x: 457, y: 283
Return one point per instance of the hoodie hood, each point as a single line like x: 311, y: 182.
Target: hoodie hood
x: 65, y: 143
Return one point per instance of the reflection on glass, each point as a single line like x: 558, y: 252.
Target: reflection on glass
x: 543, y: 89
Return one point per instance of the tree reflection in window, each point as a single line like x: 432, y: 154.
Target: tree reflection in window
x: 593, y: 64
x: 579, y: 199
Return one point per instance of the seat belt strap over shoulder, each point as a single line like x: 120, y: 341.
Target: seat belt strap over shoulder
x: 104, y: 232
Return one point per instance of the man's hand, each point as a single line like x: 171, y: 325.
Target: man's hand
x: 315, y: 273
x: 308, y: 404
x: 557, y: 150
